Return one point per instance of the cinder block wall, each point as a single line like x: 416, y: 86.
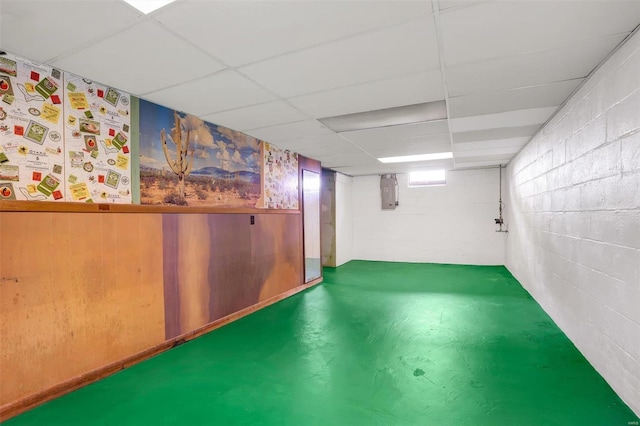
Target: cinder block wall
x: 574, y: 220
x: 453, y: 223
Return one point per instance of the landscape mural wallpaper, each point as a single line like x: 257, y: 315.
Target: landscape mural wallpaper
x: 187, y: 161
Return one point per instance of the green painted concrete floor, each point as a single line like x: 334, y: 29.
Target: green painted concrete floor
x: 376, y: 344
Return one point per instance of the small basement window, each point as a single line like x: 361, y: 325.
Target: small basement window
x: 427, y: 178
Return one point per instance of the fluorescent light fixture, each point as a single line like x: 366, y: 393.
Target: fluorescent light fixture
x: 419, y: 157
x: 408, y: 114
x: 148, y: 6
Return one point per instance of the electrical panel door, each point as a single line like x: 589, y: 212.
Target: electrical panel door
x: 388, y: 184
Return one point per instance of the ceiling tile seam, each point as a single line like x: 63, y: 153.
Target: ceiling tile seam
x: 193, y: 80
x: 292, y: 122
x: 523, y: 138
x: 347, y: 140
x: 230, y: 68
x: 465, y: 6
x: 337, y: 40
x: 278, y: 98
x: 435, y: 4
x: 396, y: 125
x: 546, y: 49
x: 584, y: 81
x: 505, y: 129
x: 91, y: 41
x: 348, y: 86
x: 183, y: 39
x: 255, y: 105
x: 531, y: 86
x: 246, y: 106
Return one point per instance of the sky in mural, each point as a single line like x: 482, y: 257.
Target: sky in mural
x: 215, y: 146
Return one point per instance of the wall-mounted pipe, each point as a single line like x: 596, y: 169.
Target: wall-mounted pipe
x: 500, y: 220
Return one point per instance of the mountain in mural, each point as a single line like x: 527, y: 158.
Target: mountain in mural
x: 218, y: 173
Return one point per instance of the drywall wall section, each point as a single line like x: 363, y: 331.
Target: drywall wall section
x: 344, y: 218
x: 574, y: 213
x: 328, y: 217
x: 453, y: 223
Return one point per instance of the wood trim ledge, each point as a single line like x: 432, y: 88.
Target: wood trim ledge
x: 70, y: 207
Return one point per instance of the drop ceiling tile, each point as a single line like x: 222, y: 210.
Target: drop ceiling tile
x: 546, y: 95
x: 521, y: 118
x: 397, y: 134
x: 406, y: 90
x: 432, y: 146
x: 505, y: 28
x: 483, y: 160
x: 489, y: 151
x: 407, y: 139
x: 448, y: 4
x: 390, y: 52
x: 255, y: 116
x: 130, y: 61
x: 325, y: 146
x: 529, y: 69
x: 346, y: 161
x: 495, y: 134
x: 363, y: 170
x: 421, y: 165
x: 481, y: 163
x: 319, y: 142
x: 291, y: 131
x: 243, y: 32
x: 222, y: 91
x: 490, y: 144
x: 41, y: 30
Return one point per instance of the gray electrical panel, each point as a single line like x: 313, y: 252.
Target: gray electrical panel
x: 388, y: 185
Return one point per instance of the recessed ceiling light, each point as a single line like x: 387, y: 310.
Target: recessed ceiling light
x: 148, y: 6
x: 419, y: 157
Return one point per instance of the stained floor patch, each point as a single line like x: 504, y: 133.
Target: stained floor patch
x: 376, y: 344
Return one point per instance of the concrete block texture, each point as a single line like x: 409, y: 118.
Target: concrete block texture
x: 574, y: 220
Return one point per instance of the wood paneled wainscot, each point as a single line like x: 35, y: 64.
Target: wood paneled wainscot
x: 79, y: 291
x: 86, y: 292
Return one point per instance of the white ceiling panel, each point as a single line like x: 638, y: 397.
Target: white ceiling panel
x: 448, y: 4
x: 529, y: 69
x: 545, y: 95
x: 290, y: 131
x: 341, y: 160
x: 484, y: 160
x: 391, y: 52
x: 395, y: 134
x: 481, y: 163
x: 318, y: 143
x: 129, y: 60
x: 222, y: 91
x: 247, y: 31
x: 327, y: 146
x: 506, y: 28
x: 255, y: 116
x: 406, y: 90
x: 495, y: 134
x: 363, y: 170
x: 461, y: 155
x: 421, y: 165
x: 272, y: 68
x: 433, y: 145
x: 520, y: 118
x: 490, y: 144
x: 40, y: 30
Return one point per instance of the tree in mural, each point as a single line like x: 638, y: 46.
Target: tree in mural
x: 183, y: 161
